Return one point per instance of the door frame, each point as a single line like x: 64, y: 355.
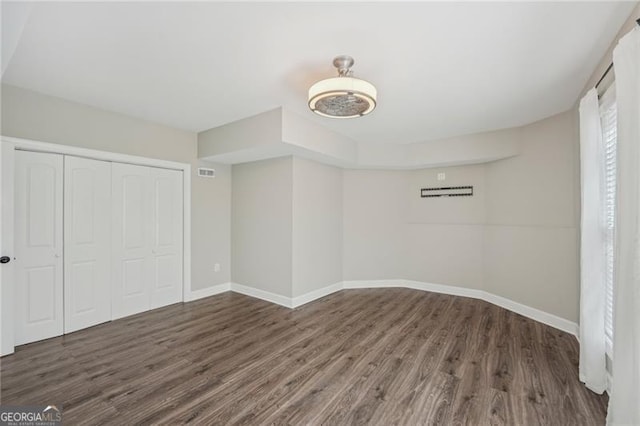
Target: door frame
x: 8, y: 147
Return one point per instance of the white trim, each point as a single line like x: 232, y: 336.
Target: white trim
x: 371, y: 284
x: 316, y: 294
x: 186, y: 232
x: 416, y: 285
x: 288, y: 302
x: 9, y: 144
x: 533, y: 313
x: 524, y: 310
x: 263, y: 295
x: 206, y: 292
x: 55, y: 148
x: 7, y: 334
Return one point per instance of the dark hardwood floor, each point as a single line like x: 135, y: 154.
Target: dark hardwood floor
x: 383, y: 356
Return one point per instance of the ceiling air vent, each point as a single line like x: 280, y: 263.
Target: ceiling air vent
x: 208, y: 173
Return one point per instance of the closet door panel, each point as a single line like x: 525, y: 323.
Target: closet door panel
x: 166, y: 252
x: 38, y: 246
x: 87, y: 283
x: 134, y: 278
x: 134, y: 211
x: 131, y: 242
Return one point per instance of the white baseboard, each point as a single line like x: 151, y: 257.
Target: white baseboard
x: 261, y: 294
x: 209, y: 291
x: 524, y: 310
x: 316, y: 294
x: 533, y: 313
x: 289, y: 302
x: 416, y: 285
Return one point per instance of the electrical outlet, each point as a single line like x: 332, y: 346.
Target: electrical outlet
x: 441, y: 176
x: 216, y: 267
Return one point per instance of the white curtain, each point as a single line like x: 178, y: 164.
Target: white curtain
x: 624, y: 404
x: 592, y: 247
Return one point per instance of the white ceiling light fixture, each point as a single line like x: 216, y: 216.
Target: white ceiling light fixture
x: 343, y: 96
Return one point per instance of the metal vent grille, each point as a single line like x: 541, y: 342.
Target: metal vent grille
x: 208, y: 173
x: 447, y: 191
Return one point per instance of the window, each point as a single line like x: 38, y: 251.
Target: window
x: 608, y: 115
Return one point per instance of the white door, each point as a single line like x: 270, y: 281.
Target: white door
x: 87, y: 243
x: 131, y: 242
x: 38, y: 246
x: 166, y: 249
x: 147, y: 238
x: 7, y: 251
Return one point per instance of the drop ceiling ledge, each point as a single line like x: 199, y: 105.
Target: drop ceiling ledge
x: 278, y: 133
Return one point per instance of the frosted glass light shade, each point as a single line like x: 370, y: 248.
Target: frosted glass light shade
x: 342, y: 97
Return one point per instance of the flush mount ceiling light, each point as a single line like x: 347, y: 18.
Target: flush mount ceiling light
x: 343, y: 96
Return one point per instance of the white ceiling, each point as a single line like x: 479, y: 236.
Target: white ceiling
x: 441, y: 69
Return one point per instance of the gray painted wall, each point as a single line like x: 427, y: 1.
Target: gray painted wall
x: 317, y: 226
x: 261, y: 225
x: 531, y: 243
x: 259, y: 130
x: 374, y: 203
x: 31, y: 115
x: 286, y: 225
x: 516, y: 238
x: 392, y: 233
x: 442, y: 234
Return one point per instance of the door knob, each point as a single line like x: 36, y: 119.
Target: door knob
x: 5, y: 259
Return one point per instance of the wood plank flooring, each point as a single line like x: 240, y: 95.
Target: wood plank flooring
x: 375, y: 356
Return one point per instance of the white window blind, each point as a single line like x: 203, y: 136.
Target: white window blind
x: 608, y: 115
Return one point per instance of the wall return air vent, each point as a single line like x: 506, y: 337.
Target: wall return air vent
x: 208, y: 173
x: 450, y: 191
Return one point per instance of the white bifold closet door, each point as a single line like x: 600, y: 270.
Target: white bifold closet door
x: 87, y: 243
x: 166, y: 237
x: 147, y: 238
x: 38, y: 246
